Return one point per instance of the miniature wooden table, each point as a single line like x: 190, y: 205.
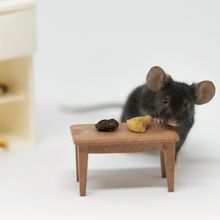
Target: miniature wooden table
x: 156, y: 138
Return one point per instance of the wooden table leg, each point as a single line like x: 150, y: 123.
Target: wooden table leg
x: 83, y: 166
x: 162, y: 164
x: 169, y: 158
x: 77, y: 167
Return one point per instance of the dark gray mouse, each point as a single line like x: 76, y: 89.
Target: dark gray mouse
x: 168, y: 101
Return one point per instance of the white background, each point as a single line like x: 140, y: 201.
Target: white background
x: 98, y: 51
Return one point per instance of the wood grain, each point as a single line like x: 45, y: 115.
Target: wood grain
x: 169, y: 158
x: 162, y: 163
x: 82, y: 168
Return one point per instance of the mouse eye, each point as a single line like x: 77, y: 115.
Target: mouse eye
x: 165, y: 100
x: 186, y: 105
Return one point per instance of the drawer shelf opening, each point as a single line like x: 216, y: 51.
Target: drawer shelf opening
x: 16, y: 119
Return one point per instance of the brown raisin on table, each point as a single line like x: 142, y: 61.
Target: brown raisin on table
x: 107, y: 125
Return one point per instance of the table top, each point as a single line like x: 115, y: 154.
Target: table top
x: 87, y: 134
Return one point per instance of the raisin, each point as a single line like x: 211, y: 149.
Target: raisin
x: 107, y: 125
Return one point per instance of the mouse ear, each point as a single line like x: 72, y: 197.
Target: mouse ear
x: 204, y: 92
x: 157, y: 79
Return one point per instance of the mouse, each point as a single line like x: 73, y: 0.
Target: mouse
x: 168, y: 101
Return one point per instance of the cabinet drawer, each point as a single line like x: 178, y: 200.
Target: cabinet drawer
x: 17, y: 33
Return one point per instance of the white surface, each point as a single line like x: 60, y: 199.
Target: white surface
x: 84, y: 48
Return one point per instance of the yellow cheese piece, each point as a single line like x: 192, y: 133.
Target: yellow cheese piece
x: 139, y: 124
